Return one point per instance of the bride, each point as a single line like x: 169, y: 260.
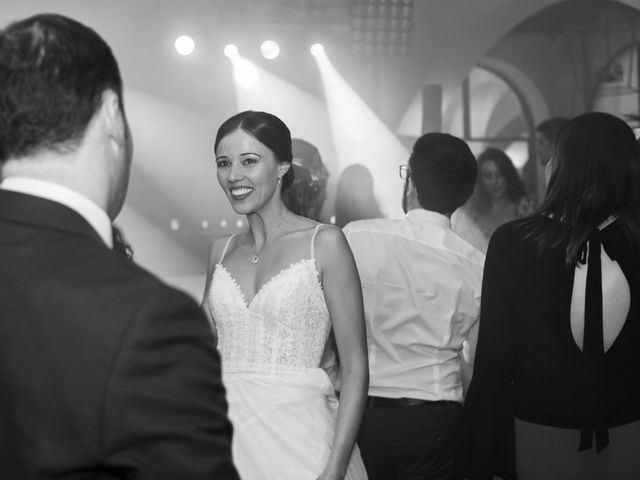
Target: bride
x: 273, y: 294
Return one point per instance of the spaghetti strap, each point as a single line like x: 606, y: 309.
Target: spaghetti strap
x: 226, y: 246
x: 313, y: 240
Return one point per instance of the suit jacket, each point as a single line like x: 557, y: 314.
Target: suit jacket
x: 105, y: 372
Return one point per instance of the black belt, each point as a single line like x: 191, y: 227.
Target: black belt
x: 381, y: 402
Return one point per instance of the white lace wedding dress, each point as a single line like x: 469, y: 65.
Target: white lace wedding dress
x: 282, y: 405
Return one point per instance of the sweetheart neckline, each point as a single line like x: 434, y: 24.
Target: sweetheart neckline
x: 282, y: 271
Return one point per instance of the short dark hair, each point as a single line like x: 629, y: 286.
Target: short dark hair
x: 596, y: 173
x: 53, y: 71
x: 268, y: 130
x: 443, y: 171
x: 551, y: 127
x: 514, y: 186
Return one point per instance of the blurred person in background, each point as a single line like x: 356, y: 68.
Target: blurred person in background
x: 308, y: 192
x: 546, y: 135
x: 312, y: 192
x: 355, y: 196
x: 498, y: 198
x: 556, y: 392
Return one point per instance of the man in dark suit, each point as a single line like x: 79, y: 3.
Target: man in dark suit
x: 105, y: 372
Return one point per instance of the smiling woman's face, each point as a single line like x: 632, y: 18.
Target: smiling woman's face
x: 247, y: 171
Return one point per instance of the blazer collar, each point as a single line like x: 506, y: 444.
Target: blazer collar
x: 38, y: 212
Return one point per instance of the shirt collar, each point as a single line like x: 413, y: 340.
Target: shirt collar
x: 429, y: 216
x: 89, y: 210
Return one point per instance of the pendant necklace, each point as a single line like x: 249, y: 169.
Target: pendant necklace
x: 256, y: 257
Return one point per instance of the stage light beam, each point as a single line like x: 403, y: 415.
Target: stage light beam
x: 359, y: 134
x: 246, y: 73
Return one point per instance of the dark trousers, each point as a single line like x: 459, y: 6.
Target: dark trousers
x: 416, y: 442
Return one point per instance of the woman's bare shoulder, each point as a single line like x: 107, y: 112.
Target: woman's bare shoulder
x: 329, y: 238
x: 217, y: 247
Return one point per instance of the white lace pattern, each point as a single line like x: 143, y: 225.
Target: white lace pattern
x: 282, y: 331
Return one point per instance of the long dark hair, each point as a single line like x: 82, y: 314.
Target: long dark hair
x: 515, y: 190
x: 266, y: 128
x: 596, y: 173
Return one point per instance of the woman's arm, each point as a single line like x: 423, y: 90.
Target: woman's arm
x: 343, y: 295
x: 214, y: 257
x: 488, y: 413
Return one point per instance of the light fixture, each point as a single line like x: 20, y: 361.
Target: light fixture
x: 184, y: 45
x: 382, y: 27
x: 231, y: 51
x: 317, y: 49
x: 270, y: 49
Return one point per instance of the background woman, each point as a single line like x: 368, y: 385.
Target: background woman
x: 303, y: 197
x: 274, y: 292
x: 355, y: 196
x: 499, y: 197
x: 559, y: 328
x: 307, y: 194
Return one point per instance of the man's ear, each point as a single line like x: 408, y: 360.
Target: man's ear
x: 411, y: 188
x: 113, y: 116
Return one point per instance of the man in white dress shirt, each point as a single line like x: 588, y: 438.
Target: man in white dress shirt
x: 105, y: 372
x: 421, y: 287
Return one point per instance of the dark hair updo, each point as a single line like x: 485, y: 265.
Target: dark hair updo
x: 268, y: 130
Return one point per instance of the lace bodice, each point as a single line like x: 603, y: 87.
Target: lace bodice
x: 284, y: 328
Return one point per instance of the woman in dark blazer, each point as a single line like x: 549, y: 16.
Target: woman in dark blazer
x: 556, y: 388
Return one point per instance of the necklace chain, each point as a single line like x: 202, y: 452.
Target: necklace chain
x: 256, y: 257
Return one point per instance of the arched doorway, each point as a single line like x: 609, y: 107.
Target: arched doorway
x: 618, y: 91
x: 491, y: 112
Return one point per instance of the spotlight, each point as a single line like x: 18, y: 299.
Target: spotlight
x: 184, y: 45
x: 231, y: 50
x: 317, y: 49
x: 269, y: 49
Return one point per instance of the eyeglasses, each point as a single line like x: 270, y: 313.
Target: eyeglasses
x: 404, y: 171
